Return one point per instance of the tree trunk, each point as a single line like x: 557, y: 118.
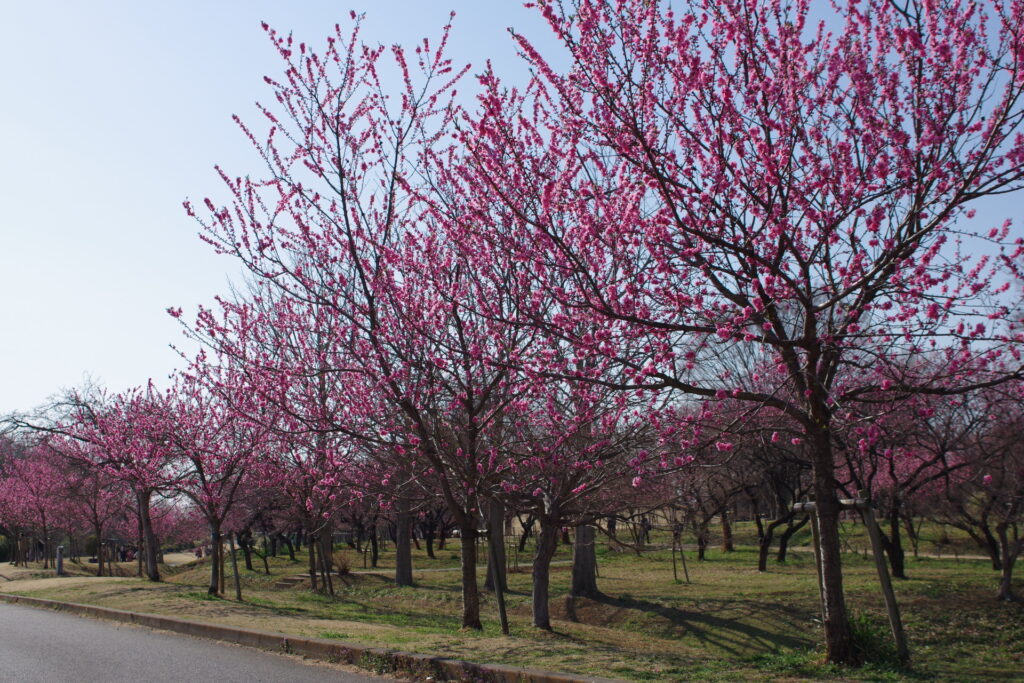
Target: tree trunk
x: 838, y: 638
x: 908, y: 525
x: 374, y: 548
x: 245, y: 542
x: 786, y: 535
x: 764, y: 546
x: 214, y: 564
x: 223, y: 558
x: 894, y: 544
x: 727, y: 544
x: 291, y: 548
x: 470, y: 591
x: 148, y: 535
x: 46, y: 544
x: 499, y: 589
x: 991, y: 546
x: 99, y: 550
x: 702, y: 543
x: 584, y: 564
x: 1009, y: 551
x: 1006, y: 582
x: 496, y: 546
x: 403, y: 550
x: 313, y: 583
x: 428, y: 536
x: 527, y: 530
x: 139, y: 554
x: 547, y: 543
x: 326, y: 558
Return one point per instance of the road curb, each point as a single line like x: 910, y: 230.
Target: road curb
x: 418, y: 666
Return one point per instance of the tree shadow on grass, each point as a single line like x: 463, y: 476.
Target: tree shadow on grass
x: 739, y: 628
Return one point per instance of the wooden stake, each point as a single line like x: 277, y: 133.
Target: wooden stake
x: 234, y: 568
x: 862, y: 504
x: 682, y: 556
x: 675, y: 572
x: 895, y: 623
x: 812, y: 510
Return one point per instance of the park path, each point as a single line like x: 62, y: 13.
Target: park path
x: 910, y: 555
x: 429, y: 570
x: 38, y: 645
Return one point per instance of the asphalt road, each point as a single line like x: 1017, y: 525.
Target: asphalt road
x: 40, y: 646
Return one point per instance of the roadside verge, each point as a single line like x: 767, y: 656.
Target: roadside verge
x: 414, y: 665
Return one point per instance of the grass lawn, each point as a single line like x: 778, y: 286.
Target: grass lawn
x: 729, y: 623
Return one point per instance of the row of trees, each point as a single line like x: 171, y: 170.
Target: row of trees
x: 717, y: 230
x: 49, y: 499
x: 954, y: 462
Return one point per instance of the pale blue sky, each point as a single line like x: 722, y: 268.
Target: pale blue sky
x: 113, y: 111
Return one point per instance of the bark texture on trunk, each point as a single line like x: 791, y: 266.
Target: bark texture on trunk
x: 313, y: 583
x: 470, y: 590
x: 987, y: 541
x: 527, y: 531
x: 1010, y: 549
x: 727, y: 544
x: 547, y: 543
x: 838, y: 638
x: 764, y: 546
x: 702, y: 543
x: 291, y: 548
x: 584, y: 564
x: 496, y: 560
x: 326, y: 559
x: 428, y: 536
x: 403, y: 549
x: 787, y: 534
x: 214, y: 561
x: 894, y: 544
x: 245, y: 542
x: 148, y: 535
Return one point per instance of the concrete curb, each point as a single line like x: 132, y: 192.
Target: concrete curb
x: 418, y: 666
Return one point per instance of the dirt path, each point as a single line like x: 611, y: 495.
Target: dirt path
x: 431, y: 570
x: 909, y: 555
x: 177, y: 559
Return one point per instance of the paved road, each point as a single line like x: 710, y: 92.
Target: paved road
x: 40, y: 646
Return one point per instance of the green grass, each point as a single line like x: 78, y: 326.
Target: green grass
x: 730, y: 623
x: 198, y: 595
